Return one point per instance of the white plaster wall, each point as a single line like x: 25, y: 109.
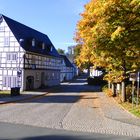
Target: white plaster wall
x: 37, y: 82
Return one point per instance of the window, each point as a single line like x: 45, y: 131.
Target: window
x: 33, y: 61
x: 37, y: 76
x: 33, y: 42
x: 33, y: 58
x: 4, y: 81
x: 11, y: 56
x: 51, y: 49
x: 9, y: 81
x: 6, y: 41
x: 43, y: 46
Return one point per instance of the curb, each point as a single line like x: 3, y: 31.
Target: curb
x: 24, y: 99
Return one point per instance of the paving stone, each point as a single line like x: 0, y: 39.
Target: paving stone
x: 73, y: 106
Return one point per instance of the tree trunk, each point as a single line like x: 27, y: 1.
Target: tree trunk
x: 118, y: 89
x: 88, y: 72
x: 114, y: 89
x: 109, y: 85
x: 123, y: 82
x: 123, y: 91
x: 88, y: 68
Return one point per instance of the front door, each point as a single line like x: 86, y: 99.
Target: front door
x: 30, y: 83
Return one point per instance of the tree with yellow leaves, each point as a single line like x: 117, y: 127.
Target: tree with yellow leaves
x: 111, y: 29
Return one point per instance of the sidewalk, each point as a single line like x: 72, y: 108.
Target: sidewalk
x: 97, y: 113
x: 112, y: 110
x: 26, y: 95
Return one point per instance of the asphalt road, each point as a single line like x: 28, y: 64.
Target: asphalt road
x: 70, y: 111
x: 47, y: 111
x: 22, y: 132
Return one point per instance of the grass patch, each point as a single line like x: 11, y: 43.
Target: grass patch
x: 4, y: 93
x: 135, y: 110
x: 132, y: 109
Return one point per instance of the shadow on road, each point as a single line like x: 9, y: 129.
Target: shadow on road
x: 77, y: 85
x: 80, y: 137
x: 9, y: 131
x: 56, y: 99
x: 67, y: 92
x: 58, y: 137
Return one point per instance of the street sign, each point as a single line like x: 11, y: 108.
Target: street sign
x: 133, y: 77
x: 138, y: 76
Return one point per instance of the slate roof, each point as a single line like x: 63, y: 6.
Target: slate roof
x: 66, y: 60
x: 26, y: 33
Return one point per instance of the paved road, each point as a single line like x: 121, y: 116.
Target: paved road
x: 48, y: 111
x: 23, y: 132
x: 73, y: 106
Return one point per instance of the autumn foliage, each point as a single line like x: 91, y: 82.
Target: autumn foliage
x: 109, y: 32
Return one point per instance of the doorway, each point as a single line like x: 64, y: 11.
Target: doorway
x: 30, y: 83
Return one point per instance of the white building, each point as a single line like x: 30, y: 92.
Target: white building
x: 95, y: 72
x: 67, y: 69
x: 28, y: 59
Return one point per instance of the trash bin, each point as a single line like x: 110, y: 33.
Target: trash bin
x: 15, y: 91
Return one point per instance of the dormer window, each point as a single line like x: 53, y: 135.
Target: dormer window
x: 33, y: 42
x: 51, y: 48
x: 43, y: 46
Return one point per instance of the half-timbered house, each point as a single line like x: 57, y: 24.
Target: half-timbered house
x: 67, y: 69
x: 28, y: 58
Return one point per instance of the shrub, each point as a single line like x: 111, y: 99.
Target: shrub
x: 107, y: 91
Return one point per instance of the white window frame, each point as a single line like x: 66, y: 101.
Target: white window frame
x: 11, y: 56
x: 9, y: 81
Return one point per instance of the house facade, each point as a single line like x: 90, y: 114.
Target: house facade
x: 95, y: 72
x: 67, y: 69
x: 28, y: 58
x: 70, y: 56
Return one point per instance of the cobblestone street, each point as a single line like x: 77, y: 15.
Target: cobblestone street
x: 73, y: 106
x: 91, y: 115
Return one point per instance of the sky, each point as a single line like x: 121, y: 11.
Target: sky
x: 55, y: 18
